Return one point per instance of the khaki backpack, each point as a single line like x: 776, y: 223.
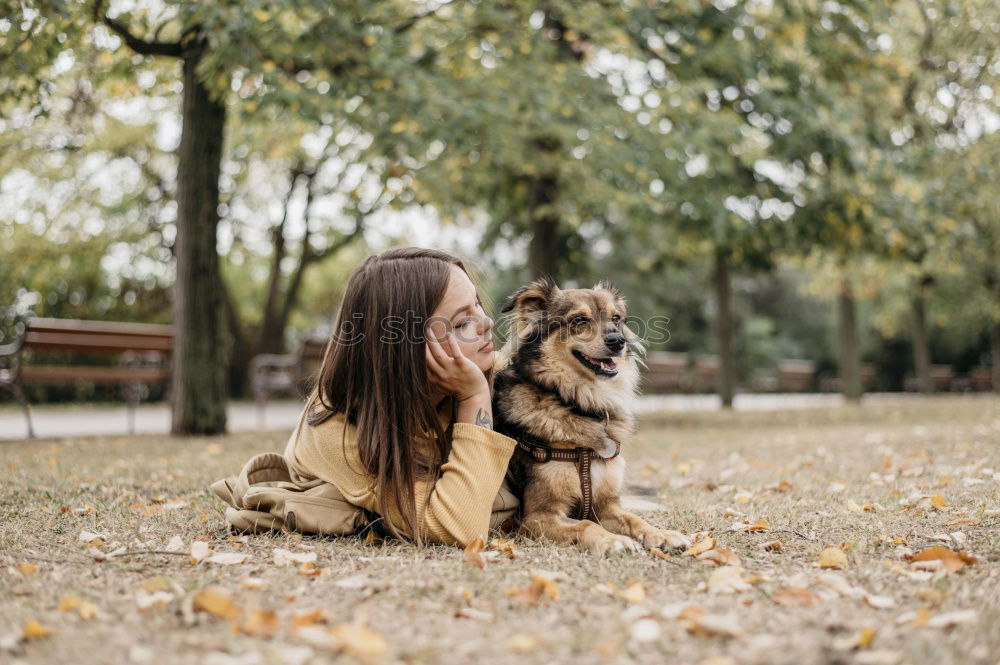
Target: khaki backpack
x: 264, y: 496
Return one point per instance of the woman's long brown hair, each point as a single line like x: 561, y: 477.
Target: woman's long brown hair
x: 374, y: 372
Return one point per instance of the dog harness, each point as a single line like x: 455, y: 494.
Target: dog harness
x: 541, y: 451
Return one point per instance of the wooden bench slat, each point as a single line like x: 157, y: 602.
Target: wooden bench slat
x: 43, y: 324
x: 95, y: 343
x: 60, y: 373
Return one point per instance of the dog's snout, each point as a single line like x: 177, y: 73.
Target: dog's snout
x: 615, y: 342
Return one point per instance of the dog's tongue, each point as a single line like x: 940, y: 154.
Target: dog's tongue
x: 608, y: 363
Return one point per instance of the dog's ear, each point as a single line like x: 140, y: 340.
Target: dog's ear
x: 532, y: 298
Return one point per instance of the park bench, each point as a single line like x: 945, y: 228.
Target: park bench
x: 283, y: 372
x: 795, y: 376
x: 942, y: 377
x: 142, y: 351
x: 706, y: 374
x: 981, y: 379
x: 666, y: 372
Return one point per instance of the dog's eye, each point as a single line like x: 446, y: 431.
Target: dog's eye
x: 579, y: 320
x: 616, y: 319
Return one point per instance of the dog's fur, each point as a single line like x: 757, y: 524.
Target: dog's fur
x: 537, y: 392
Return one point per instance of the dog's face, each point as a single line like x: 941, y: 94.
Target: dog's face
x: 575, y: 334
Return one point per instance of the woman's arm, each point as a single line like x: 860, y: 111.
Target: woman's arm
x: 460, y: 504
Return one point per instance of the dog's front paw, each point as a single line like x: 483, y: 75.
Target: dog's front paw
x: 664, y: 539
x: 612, y: 542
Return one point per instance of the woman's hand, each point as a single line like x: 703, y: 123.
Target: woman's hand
x: 451, y: 373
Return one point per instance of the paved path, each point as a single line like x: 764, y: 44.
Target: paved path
x: 89, y: 420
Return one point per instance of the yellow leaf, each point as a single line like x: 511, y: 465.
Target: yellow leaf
x: 69, y: 603
x: 703, y: 545
x: 794, y: 597
x: 522, y: 643
x: 34, y: 630
x: 27, y: 569
x: 866, y: 637
x: 360, y: 642
x: 260, y: 623
x: 948, y: 559
x: 217, y: 602
x: 939, y: 502
x: 634, y: 593
x: 832, y: 557
x: 473, y: 553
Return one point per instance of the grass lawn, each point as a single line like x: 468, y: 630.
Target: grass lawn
x: 878, y: 483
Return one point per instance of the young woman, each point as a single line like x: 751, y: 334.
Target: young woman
x: 400, y: 420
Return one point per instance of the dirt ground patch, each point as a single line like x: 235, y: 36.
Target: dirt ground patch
x: 878, y: 483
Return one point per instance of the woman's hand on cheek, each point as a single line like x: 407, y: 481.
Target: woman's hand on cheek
x: 451, y: 372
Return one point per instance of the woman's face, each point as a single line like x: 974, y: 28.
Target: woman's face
x: 461, y: 312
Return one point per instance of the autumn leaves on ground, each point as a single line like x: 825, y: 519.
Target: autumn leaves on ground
x: 849, y: 535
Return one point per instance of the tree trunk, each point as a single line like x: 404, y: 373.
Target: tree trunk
x: 850, y: 359
x: 724, y: 331
x: 921, y: 346
x: 200, y: 347
x: 544, y: 255
x: 995, y: 353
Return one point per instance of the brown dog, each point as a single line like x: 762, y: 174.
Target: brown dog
x: 564, y: 395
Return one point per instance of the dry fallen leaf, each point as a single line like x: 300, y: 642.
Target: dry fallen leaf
x: 938, y: 558
x: 260, y: 623
x: 146, y: 600
x: 939, y: 502
x: 227, y: 558
x: 721, y: 556
x: 771, y: 546
x: 217, y: 602
x: 794, y: 597
x: 199, y: 550
x: 473, y: 553
x: 712, y: 625
x: 34, y: 630
x: 880, y: 602
x: 542, y: 586
x: 727, y: 579
x: 949, y: 619
x: 832, y: 557
x: 310, y: 570
x: 310, y: 617
x: 703, y: 545
x: 84, y: 609
x: 865, y: 638
x: 504, y: 546
x: 253, y: 583
x: 634, y: 592
x: 521, y: 643
x: 27, y: 569
x: 759, y: 525
x: 360, y: 642
x: 283, y: 557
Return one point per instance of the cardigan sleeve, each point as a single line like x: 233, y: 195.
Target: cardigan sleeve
x: 460, y: 504
x: 454, y: 511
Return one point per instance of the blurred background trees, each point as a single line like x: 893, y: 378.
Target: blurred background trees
x: 782, y: 179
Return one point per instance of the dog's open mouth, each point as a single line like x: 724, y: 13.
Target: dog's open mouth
x: 599, y: 366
